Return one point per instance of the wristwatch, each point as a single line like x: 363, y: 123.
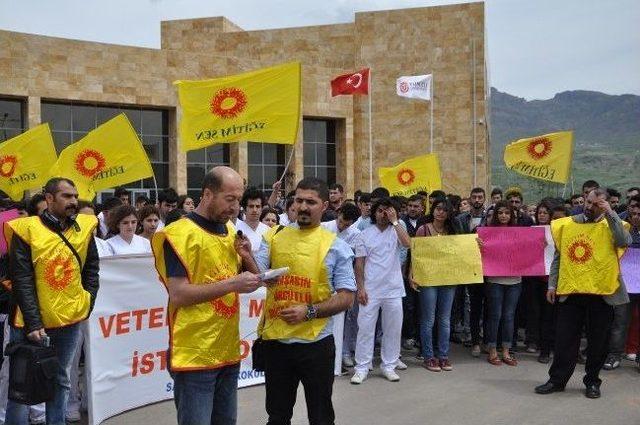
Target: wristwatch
x: 395, y: 223
x: 312, y: 312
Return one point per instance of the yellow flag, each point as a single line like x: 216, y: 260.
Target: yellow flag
x: 412, y: 176
x: 446, y: 260
x: 109, y: 156
x: 261, y: 106
x: 547, y: 157
x: 25, y: 161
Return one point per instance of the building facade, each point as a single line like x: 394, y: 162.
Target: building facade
x: 77, y: 85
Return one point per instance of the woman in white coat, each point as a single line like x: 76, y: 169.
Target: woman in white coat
x: 123, y: 223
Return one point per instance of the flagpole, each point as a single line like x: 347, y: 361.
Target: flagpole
x: 286, y: 167
x: 155, y: 184
x: 431, y: 117
x: 370, y: 137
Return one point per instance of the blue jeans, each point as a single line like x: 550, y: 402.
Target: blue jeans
x: 436, y: 299
x: 502, y: 301
x: 65, y: 341
x: 207, y: 397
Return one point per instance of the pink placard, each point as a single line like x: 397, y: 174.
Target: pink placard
x: 630, y: 268
x: 4, y: 217
x: 512, y: 251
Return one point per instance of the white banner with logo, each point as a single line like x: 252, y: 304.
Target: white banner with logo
x: 415, y: 87
x: 127, y: 342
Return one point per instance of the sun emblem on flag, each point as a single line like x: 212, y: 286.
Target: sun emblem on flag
x: 539, y: 148
x: 406, y: 176
x: 58, y: 273
x: 580, y: 251
x: 404, y: 87
x: 89, y: 162
x: 8, y: 165
x: 228, y: 103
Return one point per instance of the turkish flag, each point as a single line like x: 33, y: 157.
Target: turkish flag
x: 354, y: 83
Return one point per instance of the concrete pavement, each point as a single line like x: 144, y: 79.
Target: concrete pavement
x: 474, y: 393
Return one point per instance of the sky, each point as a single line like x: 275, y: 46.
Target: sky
x: 536, y: 48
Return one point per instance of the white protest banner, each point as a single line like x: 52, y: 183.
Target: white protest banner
x: 415, y: 87
x: 549, y: 249
x: 128, y: 338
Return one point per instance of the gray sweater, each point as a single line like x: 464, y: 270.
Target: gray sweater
x: 621, y: 239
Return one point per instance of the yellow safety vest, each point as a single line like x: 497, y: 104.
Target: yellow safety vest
x: 205, y: 335
x: 589, y: 260
x: 62, y: 300
x: 304, y: 252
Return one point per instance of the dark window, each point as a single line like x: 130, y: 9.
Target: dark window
x: 320, y: 149
x: 12, y: 119
x: 266, y: 164
x: 202, y: 160
x: 70, y: 122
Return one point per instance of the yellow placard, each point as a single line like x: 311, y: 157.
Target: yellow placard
x: 446, y: 260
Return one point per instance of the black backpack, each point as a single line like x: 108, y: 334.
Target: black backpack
x: 32, y: 372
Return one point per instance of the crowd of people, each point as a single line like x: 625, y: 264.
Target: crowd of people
x: 350, y: 255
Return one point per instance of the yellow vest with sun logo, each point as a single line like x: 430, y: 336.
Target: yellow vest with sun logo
x: 307, y: 282
x: 589, y: 260
x: 205, y: 335
x: 61, y: 298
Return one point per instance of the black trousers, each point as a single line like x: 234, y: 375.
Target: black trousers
x: 572, y: 315
x: 541, y: 315
x: 286, y: 365
x: 410, y: 313
x: 478, y: 314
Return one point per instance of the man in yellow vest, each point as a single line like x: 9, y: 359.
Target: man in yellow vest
x: 585, y: 279
x: 199, y: 258
x: 298, y: 327
x: 53, y: 267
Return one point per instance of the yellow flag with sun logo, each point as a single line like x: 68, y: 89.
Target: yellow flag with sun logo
x: 589, y: 261
x: 547, y: 157
x: 420, y: 173
x: 109, y: 156
x: 25, y: 161
x: 260, y: 106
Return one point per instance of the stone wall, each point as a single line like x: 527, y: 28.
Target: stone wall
x: 438, y: 40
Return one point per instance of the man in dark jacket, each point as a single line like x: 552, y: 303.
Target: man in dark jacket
x: 54, y: 265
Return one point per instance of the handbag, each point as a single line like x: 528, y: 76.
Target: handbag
x: 32, y: 372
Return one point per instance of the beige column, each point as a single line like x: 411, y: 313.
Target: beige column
x: 239, y: 158
x: 177, y: 159
x: 34, y: 112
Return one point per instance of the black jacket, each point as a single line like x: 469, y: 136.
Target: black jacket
x: 23, y: 285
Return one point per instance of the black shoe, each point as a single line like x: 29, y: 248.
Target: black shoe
x: 548, y: 388
x: 592, y: 391
x: 544, y: 358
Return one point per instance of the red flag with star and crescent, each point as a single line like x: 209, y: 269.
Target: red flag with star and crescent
x: 353, y: 83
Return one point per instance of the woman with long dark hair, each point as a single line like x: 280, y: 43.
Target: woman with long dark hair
x: 436, y: 301
x: 502, y: 294
x: 123, y: 223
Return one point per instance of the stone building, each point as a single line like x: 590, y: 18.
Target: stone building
x: 76, y: 85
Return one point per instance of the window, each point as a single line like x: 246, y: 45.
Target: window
x: 70, y: 122
x: 202, y: 160
x: 11, y: 118
x: 320, y: 149
x: 266, y: 164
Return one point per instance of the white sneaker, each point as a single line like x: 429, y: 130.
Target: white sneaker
x: 630, y: 357
x: 391, y: 375
x: 358, y: 377
x: 400, y: 365
x: 347, y: 361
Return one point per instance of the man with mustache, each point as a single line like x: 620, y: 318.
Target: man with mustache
x: 297, y: 316
x: 53, y: 267
x: 585, y: 281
